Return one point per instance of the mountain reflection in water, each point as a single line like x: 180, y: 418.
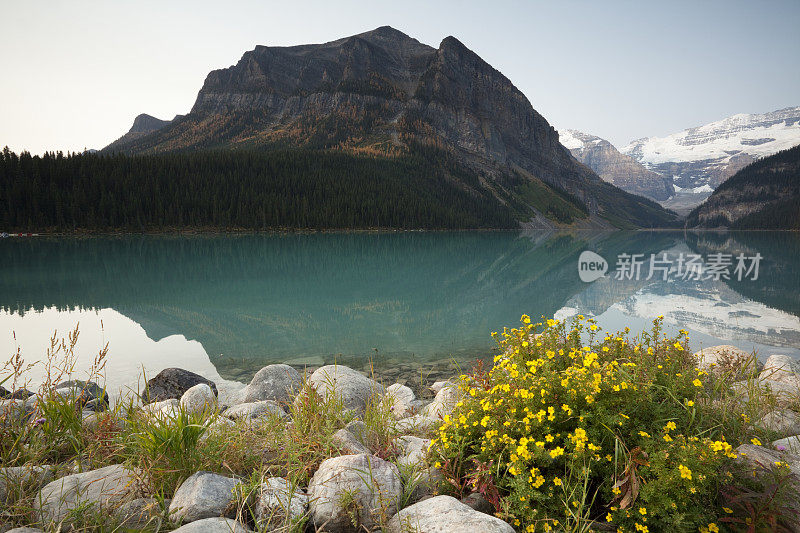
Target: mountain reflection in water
x: 226, y: 305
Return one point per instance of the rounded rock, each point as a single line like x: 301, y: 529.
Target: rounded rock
x: 400, y: 400
x: 198, y: 399
x: 213, y: 525
x: 783, y: 421
x: 139, y: 513
x: 725, y: 358
x: 203, y: 495
x: 421, y: 424
x: 105, y: 487
x: 353, y: 485
x: 445, y: 514
x: 172, y: 383
x: 353, y: 388
x: 29, y: 477
x: 279, y: 504
x: 415, y: 450
x: 444, y: 403
x: 781, y: 368
x: 88, y: 391
x: 278, y: 383
x: 348, y: 443
x: 253, y: 410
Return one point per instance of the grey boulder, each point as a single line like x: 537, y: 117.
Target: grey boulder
x: 105, y: 487
x: 781, y: 368
x: 253, y: 410
x: 421, y: 424
x: 198, y: 399
x: 444, y: 403
x: 279, y: 504
x: 784, y: 393
x: 758, y: 457
x: 445, y: 514
x: 788, y: 444
x: 348, y: 443
x: 724, y: 359
x: 213, y: 525
x: 414, y: 450
x: 400, y: 400
x: 278, y: 383
x: 203, y: 495
x: 140, y: 513
x: 783, y: 421
x: 439, y: 385
x: 14, y: 411
x: 361, y: 432
x: 353, y: 488
x: 478, y: 501
x: 424, y: 483
x: 354, y: 389
x: 30, y: 477
x: 20, y: 394
x: 88, y: 391
x: 172, y: 383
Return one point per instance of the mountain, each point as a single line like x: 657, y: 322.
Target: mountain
x: 385, y: 94
x: 142, y: 125
x: 763, y: 195
x: 615, y: 167
x: 699, y: 159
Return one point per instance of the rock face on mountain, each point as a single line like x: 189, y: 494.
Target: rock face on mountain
x: 142, y: 125
x: 616, y: 168
x: 763, y: 195
x: 700, y: 159
x: 383, y: 92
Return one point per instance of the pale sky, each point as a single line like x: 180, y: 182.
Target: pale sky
x: 76, y: 73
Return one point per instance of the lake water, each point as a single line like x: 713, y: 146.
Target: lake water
x: 411, y: 304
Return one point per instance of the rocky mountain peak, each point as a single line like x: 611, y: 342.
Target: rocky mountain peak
x: 145, y: 123
x: 615, y: 167
x: 699, y: 159
x: 382, y: 91
x: 386, y: 34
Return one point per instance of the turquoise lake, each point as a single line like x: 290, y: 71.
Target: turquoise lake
x: 226, y: 305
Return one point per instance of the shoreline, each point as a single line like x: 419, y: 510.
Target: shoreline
x: 232, y: 232
x: 288, y: 435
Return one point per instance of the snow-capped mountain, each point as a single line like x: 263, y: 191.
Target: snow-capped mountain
x: 615, y: 167
x: 699, y: 159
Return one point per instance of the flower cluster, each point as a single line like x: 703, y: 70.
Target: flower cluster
x: 582, y: 426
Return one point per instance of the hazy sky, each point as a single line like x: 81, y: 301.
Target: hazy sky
x: 76, y: 73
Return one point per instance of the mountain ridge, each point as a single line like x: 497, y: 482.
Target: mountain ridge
x: 143, y: 124
x: 700, y: 158
x: 615, y: 167
x: 763, y: 195
x: 384, y: 93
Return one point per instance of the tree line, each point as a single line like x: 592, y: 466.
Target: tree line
x: 773, y: 181
x: 292, y: 189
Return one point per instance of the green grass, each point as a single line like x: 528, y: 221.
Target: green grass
x: 552, y: 203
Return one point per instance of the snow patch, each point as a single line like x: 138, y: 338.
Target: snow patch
x: 772, y: 132
x: 569, y: 140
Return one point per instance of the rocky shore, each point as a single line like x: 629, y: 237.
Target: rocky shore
x: 352, y: 490
x: 375, y: 475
